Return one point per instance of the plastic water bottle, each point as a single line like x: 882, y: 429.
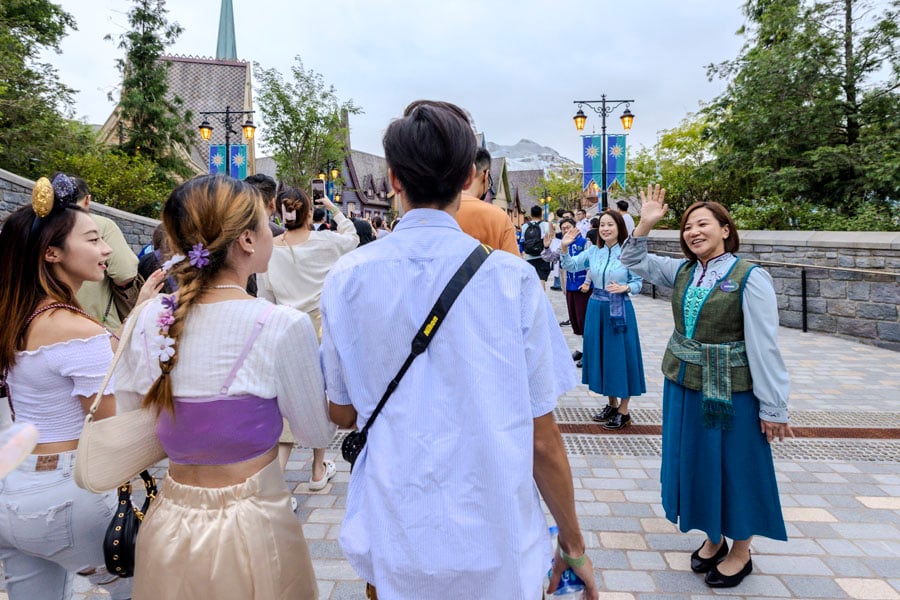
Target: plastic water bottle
x: 570, y: 585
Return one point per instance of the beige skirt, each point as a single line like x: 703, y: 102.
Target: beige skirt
x: 240, y: 542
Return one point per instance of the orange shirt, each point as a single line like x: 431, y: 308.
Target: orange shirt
x: 487, y: 223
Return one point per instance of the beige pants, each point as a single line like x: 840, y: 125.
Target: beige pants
x: 240, y: 542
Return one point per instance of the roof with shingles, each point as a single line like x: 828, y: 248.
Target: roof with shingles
x: 363, y: 172
x: 205, y: 84
x: 521, y: 183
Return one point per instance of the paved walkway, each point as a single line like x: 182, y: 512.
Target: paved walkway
x: 841, y: 494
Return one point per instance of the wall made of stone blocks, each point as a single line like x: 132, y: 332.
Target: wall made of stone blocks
x: 15, y: 192
x: 860, y: 302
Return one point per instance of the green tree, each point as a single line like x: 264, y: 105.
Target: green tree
x: 32, y: 96
x: 154, y: 121
x: 302, y: 123
x: 563, y: 186
x: 130, y: 183
x: 812, y: 110
x: 683, y: 161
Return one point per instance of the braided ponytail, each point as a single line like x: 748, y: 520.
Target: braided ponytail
x: 211, y: 211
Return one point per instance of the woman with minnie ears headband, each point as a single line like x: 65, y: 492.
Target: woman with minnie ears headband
x: 221, y: 368
x: 53, y: 357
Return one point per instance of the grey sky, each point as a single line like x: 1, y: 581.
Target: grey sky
x: 516, y: 65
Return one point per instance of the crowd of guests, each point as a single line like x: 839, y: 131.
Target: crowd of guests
x: 246, y: 340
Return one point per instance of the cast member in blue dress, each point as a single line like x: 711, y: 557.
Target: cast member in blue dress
x: 726, y: 388
x: 612, y: 362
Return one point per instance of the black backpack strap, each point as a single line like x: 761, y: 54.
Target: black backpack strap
x: 434, y: 320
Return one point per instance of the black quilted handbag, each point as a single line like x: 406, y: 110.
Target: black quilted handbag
x: 121, y: 535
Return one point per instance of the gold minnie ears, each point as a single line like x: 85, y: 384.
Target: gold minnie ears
x: 42, y: 197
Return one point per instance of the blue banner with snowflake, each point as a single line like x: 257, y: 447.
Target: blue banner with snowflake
x: 615, y: 160
x: 593, y: 154
x: 239, y: 161
x: 217, y: 158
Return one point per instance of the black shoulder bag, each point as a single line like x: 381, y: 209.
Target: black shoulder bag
x: 356, y: 440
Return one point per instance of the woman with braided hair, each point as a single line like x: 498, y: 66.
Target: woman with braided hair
x: 53, y: 358
x: 221, y: 368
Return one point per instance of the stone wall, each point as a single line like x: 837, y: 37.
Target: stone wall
x: 15, y: 191
x: 856, y: 297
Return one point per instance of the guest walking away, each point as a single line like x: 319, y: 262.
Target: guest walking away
x: 221, y: 369
x: 578, y: 283
x: 726, y: 388
x: 53, y: 358
x: 445, y: 496
x: 612, y: 362
x: 300, y: 261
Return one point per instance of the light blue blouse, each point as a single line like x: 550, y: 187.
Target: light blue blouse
x: 605, y: 266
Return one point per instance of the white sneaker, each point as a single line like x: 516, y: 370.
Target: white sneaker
x: 330, y: 470
x: 293, y: 504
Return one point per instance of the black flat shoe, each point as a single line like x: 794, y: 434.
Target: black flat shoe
x: 618, y: 421
x: 563, y: 323
x: 578, y: 364
x: 703, y: 565
x: 576, y: 355
x: 606, y: 414
x: 714, y: 579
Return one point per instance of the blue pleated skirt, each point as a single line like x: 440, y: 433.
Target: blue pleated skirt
x: 720, y: 482
x: 612, y: 361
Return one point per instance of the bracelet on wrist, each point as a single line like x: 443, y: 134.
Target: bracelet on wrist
x: 574, y: 562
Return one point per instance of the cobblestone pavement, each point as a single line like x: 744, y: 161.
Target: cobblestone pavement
x: 841, y: 495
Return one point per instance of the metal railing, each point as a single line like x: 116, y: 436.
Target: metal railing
x: 803, y: 285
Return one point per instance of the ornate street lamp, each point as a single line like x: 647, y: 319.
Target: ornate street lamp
x: 229, y: 118
x: 604, y: 111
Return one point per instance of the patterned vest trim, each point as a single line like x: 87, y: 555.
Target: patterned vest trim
x: 720, y: 321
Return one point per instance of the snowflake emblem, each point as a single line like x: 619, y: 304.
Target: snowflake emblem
x: 615, y: 151
x: 218, y: 160
x: 592, y: 151
x: 238, y: 160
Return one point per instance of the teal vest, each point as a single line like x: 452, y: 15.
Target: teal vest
x: 720, y: 321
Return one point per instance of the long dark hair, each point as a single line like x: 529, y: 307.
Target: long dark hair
x: 26, y: 278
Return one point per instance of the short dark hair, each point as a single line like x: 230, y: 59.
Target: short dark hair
x: 319, y: 214
x: 537, y: 212
x: 622, y: 205
x: 595, y: 222
x: 567, y: 220
x: 82, y: 190
x: 621, y: 229
x: 265, y: 184
x: 377, y: 222
x: 721, y: 214
x: 482, y: 160
x: 430, y: 150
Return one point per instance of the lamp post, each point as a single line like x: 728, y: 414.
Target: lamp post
x: 600, y: 107
x: 229, y: 118
x: 545, y: 200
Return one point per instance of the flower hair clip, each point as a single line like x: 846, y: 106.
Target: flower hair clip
x: 162, y: 347
x: 167, y: 266
x: 199, y: 256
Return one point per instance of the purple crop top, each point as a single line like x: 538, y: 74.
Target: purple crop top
x: 219, y: 431
x: 222, y: 429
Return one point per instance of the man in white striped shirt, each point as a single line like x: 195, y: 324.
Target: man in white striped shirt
x: 443, y: 499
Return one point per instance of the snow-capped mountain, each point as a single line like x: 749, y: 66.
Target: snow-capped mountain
x: 527, y: 155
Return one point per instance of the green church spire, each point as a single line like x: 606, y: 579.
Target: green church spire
x: 226, y: 49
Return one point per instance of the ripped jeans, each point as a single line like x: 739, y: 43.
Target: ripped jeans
x: 51, y: 530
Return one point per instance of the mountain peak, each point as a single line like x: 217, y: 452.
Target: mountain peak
x: 526, y: 155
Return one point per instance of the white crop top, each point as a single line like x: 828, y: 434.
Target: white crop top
x: 44, y: 385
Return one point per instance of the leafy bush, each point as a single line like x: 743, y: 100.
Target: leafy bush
x: 131, y: 183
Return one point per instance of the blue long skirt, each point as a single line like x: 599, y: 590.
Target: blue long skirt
x: 720, y: 482
x: 612, y: 361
